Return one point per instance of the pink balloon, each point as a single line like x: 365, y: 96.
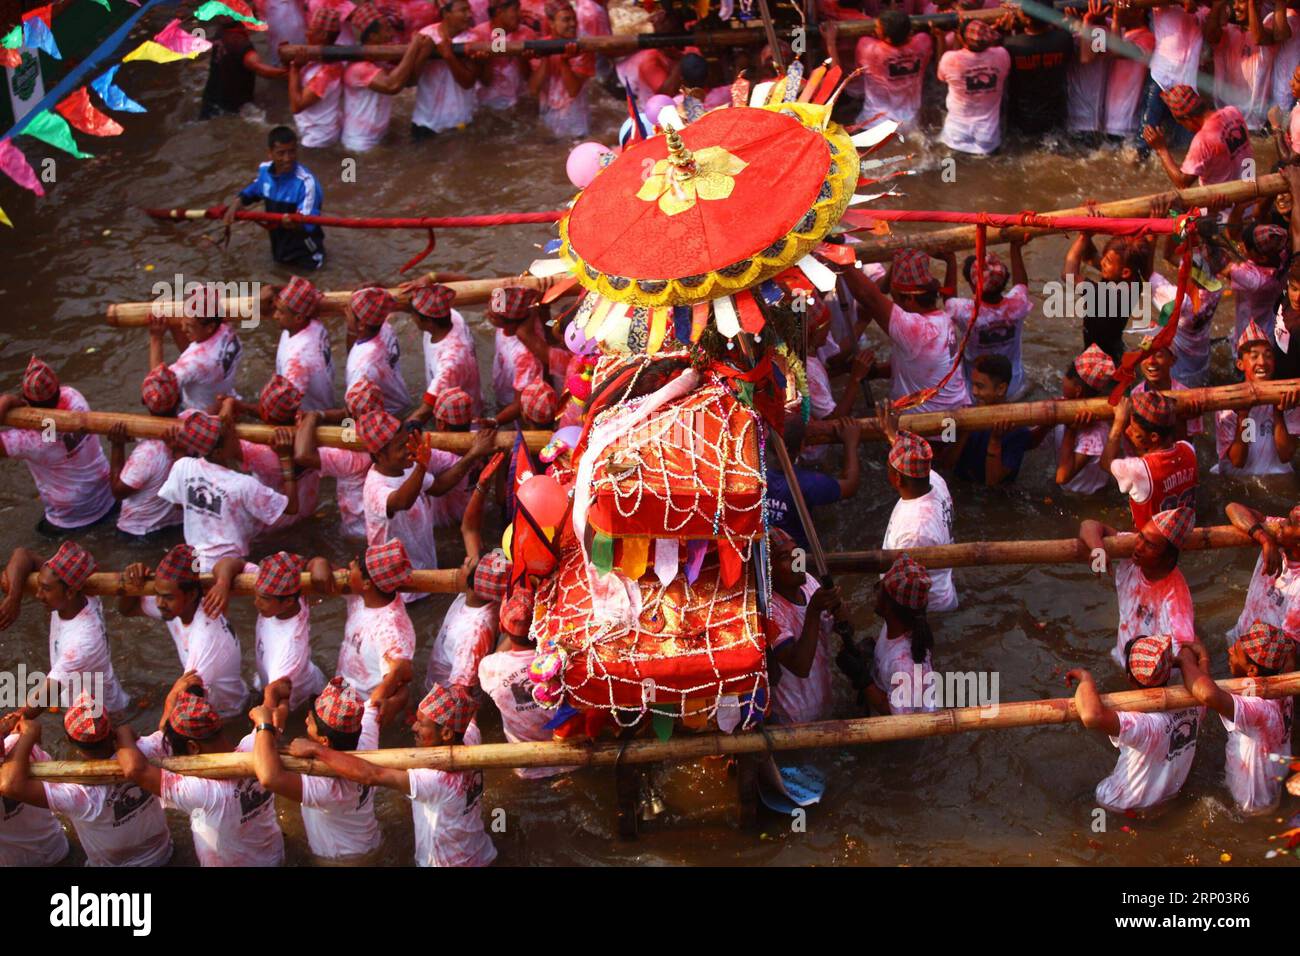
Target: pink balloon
x: 544, y: 499
x: 655, y: 105
x: 584, y: 163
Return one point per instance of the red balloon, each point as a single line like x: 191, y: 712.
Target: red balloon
x: 544, y: 498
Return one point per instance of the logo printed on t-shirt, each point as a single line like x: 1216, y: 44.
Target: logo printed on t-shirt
x: 474, y: 792
x: 202, y: 495
x: 229, y: 353
x: 125, y: 800
x: 1182, y: 735
x: 981, y: 79
x: 903, y: 66
x: 251, y: 798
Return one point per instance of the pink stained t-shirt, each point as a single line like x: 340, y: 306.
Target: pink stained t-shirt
x: 1125, y: 78
x: 349, y: 470
x: 1243, y: 73
x: 1220, y: 148
x: 307, y: 360
x: 1260, y: 729
x: 378, y: 359
x: 321, y: 124
x: 801, y: 700
x: 374, y: 639
x: 503, y: 676
x: 975, y: 83
x: 29, y: 836
x: 440, y: 102
x: 1255, y: 290
x: 1178, y: 41
x: 264, y: 465
x: 1151, y: 607
x: 145, y: 470
x: 925, y: 346
x: 71, y: 472
x: 507, y: 80
x: 893, y: 77
x: 366, y: 113
x: 513, y: 368
x: 223, y: 509
x: 467, y: 635
x: 207, y: 369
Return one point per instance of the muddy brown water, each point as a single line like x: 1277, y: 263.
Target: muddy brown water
x: 1004, y: 797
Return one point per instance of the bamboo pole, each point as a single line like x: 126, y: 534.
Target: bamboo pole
x: 152, y: 426
x: 113, y: 584
x: 882, y: 248
x: 833, y: 733
x: 1062, y: 412
x: 973, y: 554
x: 125, y: 315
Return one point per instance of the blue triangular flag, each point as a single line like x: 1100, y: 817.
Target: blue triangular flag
x: 112, y: 95
x: 37, y: 36
x: 551, y: 247
x: 682, y: 323
x: 562, y: 716
x: 770, y: 291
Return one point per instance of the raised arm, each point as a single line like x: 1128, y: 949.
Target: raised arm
x: 351, y: 767
x: 21, y: 563
x: 134, y: 765
x: 16, y: 782
x: 1194, y: 663
x: 1093, y: 714
x: 266, y: 760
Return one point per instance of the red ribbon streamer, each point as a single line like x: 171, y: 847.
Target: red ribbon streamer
x: 357, y: 222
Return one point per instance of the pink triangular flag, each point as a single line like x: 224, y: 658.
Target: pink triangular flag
x: 78, y: 111
x: 181, y: 41
x: 15, y: 166
x: 666, y: 557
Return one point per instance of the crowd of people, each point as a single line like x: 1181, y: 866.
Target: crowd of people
x: 222, y: 495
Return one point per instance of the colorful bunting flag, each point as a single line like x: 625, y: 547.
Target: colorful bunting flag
x: 78, y: 111
x: 37, y: 36
x: 45, y: 14
x: 104, y: 4
x: 215, y: 8
x: 179, y: 40
x: 14, y: 165
x: 112, y: 95
x: 153, y: 53
x: 54, y: 130
x: 14, y: 38
x: 4, y: 218
x: 10, y: 59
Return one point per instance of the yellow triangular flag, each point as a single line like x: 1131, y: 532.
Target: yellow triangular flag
x: 154, y: 53
x: 5, y: 219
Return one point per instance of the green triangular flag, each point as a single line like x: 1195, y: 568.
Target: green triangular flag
x: 602, y: 553
x: 104, y: 4
x: 663, y: 725
x: 13, y: 39
x: 214, y: 8
x: 54, y: 130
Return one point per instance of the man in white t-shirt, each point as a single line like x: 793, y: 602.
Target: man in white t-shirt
x: 135, y: 479
x: 924, y: 337
x: 802, y: 612
x: 1220, y: 151
x: 514, y: 366
x: 29, y: 836
x: 316, y: 88
x: 923, y: 514
x: 469, y: 630
x: 444, y: 92
x: 449, y: 357
x: 338, y: 815
x: 1152, y: 592
x: 976, y: 75
x: 1260, y: 440
x: 70, y: 472
x: 374, y: 354
x: 1243, y: 57
x: 1000, y: 325
x: 378, y: 636
x: 304, y: 355
x: 1273, y: 595
x: 1081, y: 443
x: 223, y: 508
x: 1156, y: 750
x: 1259, y: 729
x: 446, y: 805
x: 117, y: 824
x: 79, y: 656
x: 233, y: 822
x: 404, y: 478
x: 348, y: 468
x: 204, y: 641
x: 209, y: 359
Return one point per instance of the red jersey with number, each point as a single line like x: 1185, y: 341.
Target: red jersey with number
x: 1173, y: 482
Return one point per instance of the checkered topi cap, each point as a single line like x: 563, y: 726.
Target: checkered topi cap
x: 326, y: 19
x: 1151, y: 659
x: 81, y: 723
x: 300, y: 297
x: 779, y: 540
x: 454, y: 406
x: 178, y: 565
x: 492, y: 575
x: 1269, y: 238
x: 340, y: 707
x: 376, y: 429
x: 1266, y: 645
x: 433, y: 302
x: 161, y: 390
x: 372, y: 304
x: 995, y: 271
x: 40, y: 384
x: 193, y: 717
x: 911, y: 455
x: 1155, y: 407
x: 453, y: 709
x: 363, y: 17
x: 279, y: 401
x: 512, y: 302
x: 388, y: 566
x: 363, y: 396
x: 908, y: 583
x: 517, y: 613
x: 1183, y: 100
x: 1251, y: 334
x: 72, y: 564
x: 1095, y: 367
x: 537, y: 402
x: 911, y: 272
x: 280, y: 575
x: 1175, y: 525
x: 199, y: 433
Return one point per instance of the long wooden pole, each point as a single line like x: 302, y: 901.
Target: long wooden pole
x: 834, y: 733
x: 1062, y: 412
x: 237, y: 308
x: 113, y: 584
x: 150, y: 426
x: 938, y: 242
x: 973, y: 554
